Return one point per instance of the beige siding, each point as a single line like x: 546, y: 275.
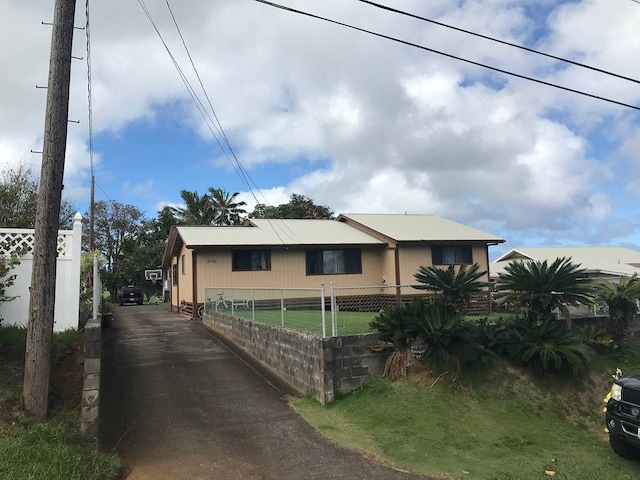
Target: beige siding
x: 480, y: 256
x: 412, y: 257
x: 287, y: 271
x: 185, y: 277
x: 388, y: 267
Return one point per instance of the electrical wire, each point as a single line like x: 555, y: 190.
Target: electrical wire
x: 448, y: 55
x: 242, y: 172
x: 238, y: 168
x: 503, y: 42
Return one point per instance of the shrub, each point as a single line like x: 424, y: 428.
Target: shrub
x: 597, y: 337
x: 543, y: 345
x: 620, y: 298
x: 454, y: 286
x: 6, y: 280
x: 431, y: 332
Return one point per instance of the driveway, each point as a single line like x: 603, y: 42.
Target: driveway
x: 178, y: 404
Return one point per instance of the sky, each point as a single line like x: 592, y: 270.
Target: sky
x: 358, y: 123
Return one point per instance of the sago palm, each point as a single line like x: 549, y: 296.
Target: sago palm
x: 539, y: 288
x: 454, y: 287
x: 621, y: 299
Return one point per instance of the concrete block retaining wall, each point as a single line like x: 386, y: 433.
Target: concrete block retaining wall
x: 90, y: 406
x: 313, y: 365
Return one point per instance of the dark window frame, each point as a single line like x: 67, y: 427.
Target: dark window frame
x: 315, y: 258
x: 452, y: 254
x: 245, y: 261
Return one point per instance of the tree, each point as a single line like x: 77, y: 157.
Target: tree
x: 621, y: 299
x: 540, y: 288
x: 227, y: 210
x: 18, y: 199
x: 198, y: 210
x: 299, y: 206
x: 117, y: 228
x: 455, y: 288
x: 163, y: 222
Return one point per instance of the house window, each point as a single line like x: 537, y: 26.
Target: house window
x: 323, y: 262
x: 174, y: 273
x: 244, y: 260
x: 451, y: 255
x: 184, y: 268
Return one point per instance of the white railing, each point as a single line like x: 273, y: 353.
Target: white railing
x: 67, y: 299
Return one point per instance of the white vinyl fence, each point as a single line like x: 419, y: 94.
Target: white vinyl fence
x: 16, y: 312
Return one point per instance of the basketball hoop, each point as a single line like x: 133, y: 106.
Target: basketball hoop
x: 153, y: 275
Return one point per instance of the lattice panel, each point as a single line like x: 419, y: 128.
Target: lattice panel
x: 22, y: 242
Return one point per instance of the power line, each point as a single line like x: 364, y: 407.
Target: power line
x: 448, y: 55
x: 241, y: 171
x: 503, y: 42
x: 192, y: 93
x: 238, y: 167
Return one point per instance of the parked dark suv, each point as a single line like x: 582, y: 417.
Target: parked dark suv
x: 623, y: 417
x: 130, y: 294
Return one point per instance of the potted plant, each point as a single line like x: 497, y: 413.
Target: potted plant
x: 107, y: 313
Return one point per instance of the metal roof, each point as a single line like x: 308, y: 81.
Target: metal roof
x: 604, y: 260
x: 415, y: 228
x: 277, y: 232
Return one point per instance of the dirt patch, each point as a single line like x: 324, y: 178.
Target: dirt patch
x: 65, y: 382
x: 66, y: 379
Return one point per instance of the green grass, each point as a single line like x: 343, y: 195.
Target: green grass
x: 496, y: 423
x: 349, y: 323
x: 55, y: 449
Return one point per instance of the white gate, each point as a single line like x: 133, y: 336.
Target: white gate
x: 16, y: 312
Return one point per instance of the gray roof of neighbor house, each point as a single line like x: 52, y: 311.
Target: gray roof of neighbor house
x: 415, y: 228
x: 599, y: 260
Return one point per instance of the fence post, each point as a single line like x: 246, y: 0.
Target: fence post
x: 334, y: 313
x: 282, y: 305
x: 322, y: 311
x: 97, y: 287
x: 253, y: 304
x: 72, y: 293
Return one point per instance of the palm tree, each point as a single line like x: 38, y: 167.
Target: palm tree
x: 198, y: 210
x: 227, y: 210
x: 621, y: 299
x: 540, y: 288
x: 455, y: 288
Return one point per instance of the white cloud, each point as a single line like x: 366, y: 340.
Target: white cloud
x: 378, y: 126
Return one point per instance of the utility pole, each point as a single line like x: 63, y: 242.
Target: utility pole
x: 43, y: 277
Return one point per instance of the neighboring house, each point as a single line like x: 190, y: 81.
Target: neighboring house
x: 351, y: 251
x: 599, y: 262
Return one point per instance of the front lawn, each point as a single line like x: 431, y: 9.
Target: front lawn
x: 498, y: 422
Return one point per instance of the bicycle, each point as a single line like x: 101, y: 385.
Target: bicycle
x: 210, y: 304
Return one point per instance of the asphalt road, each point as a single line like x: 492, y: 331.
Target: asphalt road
x: 178, y: 404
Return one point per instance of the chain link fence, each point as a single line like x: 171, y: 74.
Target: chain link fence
x: 326, y: 311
